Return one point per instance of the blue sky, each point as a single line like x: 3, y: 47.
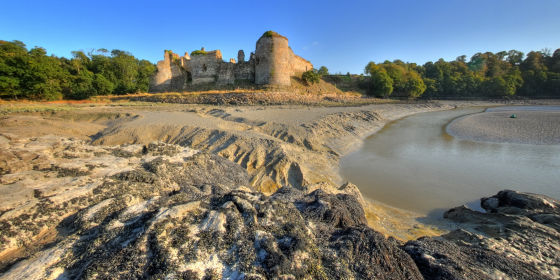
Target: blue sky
x: 342, y: 35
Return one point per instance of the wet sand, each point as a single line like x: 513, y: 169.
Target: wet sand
x: 541, y: 127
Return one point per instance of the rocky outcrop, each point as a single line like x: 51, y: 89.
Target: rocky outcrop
x: 175, y: 214
x: 517, y: 238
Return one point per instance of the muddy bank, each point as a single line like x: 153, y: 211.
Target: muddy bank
x: 510, y: 126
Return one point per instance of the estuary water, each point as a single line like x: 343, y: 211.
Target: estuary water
x: 415, y: 165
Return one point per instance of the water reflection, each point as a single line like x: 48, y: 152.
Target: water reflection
x: 414, y: 164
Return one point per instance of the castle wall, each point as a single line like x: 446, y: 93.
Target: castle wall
x: 273, y: 63
x: 299, y: 65
x: 245, y: 71
x: 170, y: 75
x: 226, y: 73
x: 205, y: 67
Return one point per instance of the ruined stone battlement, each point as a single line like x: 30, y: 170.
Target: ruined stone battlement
x: 272, y: 63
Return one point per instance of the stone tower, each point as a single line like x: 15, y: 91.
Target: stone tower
x: 240, y: 56
x: 272, y: 60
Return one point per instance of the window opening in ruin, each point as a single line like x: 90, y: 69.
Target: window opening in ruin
x: 204, y: 68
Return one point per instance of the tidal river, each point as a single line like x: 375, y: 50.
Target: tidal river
x: 415, y: 165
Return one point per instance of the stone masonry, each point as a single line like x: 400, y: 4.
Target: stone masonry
x: 272, y: 63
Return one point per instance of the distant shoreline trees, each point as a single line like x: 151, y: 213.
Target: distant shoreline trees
x: 486, y: 75
x: 31, y: 74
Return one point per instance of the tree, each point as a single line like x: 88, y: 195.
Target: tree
x: 145, y: 71
x: 381, y: 85
x: 125, y: 69
x: 80, y: 61
x: 310, y: 77
x: 503, y: 86
x: 82, y: 85
x: 13, y: 63
x: 397, y: 72
x: 554, y: 62
x: 515, y: 57
x: 323, y: 71
x: 44, y: 76
x: 35, y: 75
x: 404, y: 79
x: 102, y: 85
x: 535, y: 61
x: 415, y: 86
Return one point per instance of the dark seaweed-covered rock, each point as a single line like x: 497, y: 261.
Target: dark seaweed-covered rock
x: 443, y: 259
x: 238, y: 234
x: 518, y: 238
x: 508, y: 200
x: 367, y: 254
x: 174, y: 213
x: 351, y: 250
x: 338, y: 211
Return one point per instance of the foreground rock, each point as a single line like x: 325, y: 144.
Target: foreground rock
x: 518, y: 238
x: 173, y: 213
x: 72, y: 211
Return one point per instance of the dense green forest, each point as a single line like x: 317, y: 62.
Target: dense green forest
x: 485, y: 75
x: 32, y: 74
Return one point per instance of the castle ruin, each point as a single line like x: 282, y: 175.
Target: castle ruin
x: 272, y: 63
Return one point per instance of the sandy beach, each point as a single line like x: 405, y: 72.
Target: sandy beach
x: 528, y: 127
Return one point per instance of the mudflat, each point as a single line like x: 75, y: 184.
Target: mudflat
x: 510, y: 126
